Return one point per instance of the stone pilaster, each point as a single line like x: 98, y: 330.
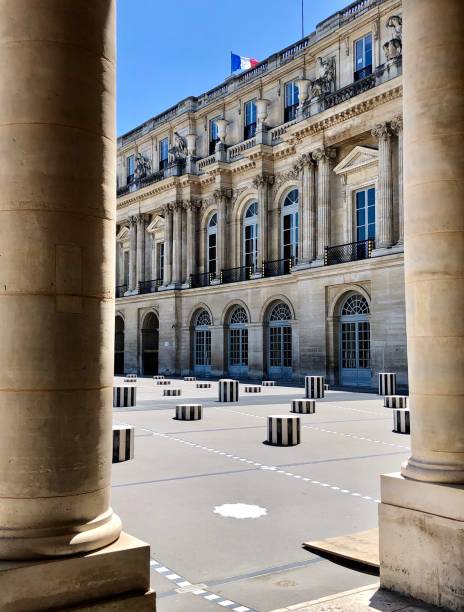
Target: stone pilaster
x: 222, y: 196
x: 177, y: 244
x: 307, y: 238
x: 191, y: 208
x: 384, y: 202
x: 323, y: 157
x: 397, y: 126
x: 132, y: 254
x: 141, y: 235
x: 168, y: 213
x: 262, y: 184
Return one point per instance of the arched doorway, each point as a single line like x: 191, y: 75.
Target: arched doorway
x: 280, y: 341
x: 202, y: 343
x: 238, y: 342
x: 150, y: 344
x: 355, y: 340
x: 119, y: 346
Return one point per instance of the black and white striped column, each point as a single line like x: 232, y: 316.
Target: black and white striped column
x: 303, y: 406
x: 228, y: 390
x: 268, y: 383
x: 190, y: 378
x: 158, y: 377
x: 124, y: 397
x: 314, y: 387
x: 123, y: 443
x: 189, y: 412
x: 130, y: 378
x: 252, y: 389
x: 283, y: 430
x: 401, y: 423
x: 171, y: 392
x: 161, y: 381
x: 203, y: 385
x: 395, y: 401
x: 387, y: 383
x: 326, y: 387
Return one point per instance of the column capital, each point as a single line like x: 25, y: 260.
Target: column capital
x: 397, y: 124
x: 261, y: 179
x: 382, y: 131
x: 222, y: 192
x: 133, y: 220
x: 192, y: 205
x: 305, y: 160
x: 324, y: 153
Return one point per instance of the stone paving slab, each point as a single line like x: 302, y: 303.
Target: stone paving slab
x: 361, y: 547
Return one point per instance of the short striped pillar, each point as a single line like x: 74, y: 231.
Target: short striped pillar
x: 268, y: 383
x: 170, y: 392
x: 387, y: 383
x: 130, y: 380
x: 190, y: 378
x: 189, y: 412
x: 401, y: 422
x: 123, y: 443
x: 314, y: 387
x: 303, y: 406
x: 228, y: 390
x: 124, y: 397
x: 395, y: 401
x: 326, y: 387
x: 283, y: 430
x: 158, y: 377
x: 130, y: 376
x: 203, y: 385
x: 161, y: 381
x: 252, y: 389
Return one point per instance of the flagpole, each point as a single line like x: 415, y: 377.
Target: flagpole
x: 302, y: 18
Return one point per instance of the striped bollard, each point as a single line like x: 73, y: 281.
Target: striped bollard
x: 123, y: 443
x: 326, y: 387
x: 283, y: 430
x: 268, y: 383
x: 303, y: 406
x: 314, y: 387
x: 401, y: 423
x: 203, y: 385
x: 158, y: 377
x: 130, y: 376
x: 252, y: 389
x: 395, y: 401
x: 387, y: 383
x: 228, y: 390
x: 190, y: 378
x: 171, y: 392
x: 124, y: 397
x: 189, y: 412
x: 161, y: 381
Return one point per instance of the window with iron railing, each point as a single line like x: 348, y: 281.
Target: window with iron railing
x: 363, y: 57
x: 163, y: 153
x: 250, y: 119
x: 130, y: 165
x: 213, y: 135
x: 291, y: 101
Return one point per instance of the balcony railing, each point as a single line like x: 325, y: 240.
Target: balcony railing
x: 235, y: 275
x: 278, y: 267
x: 120, y: 290
x: 201, y: 280
x: 352, y: 251
x: 150, y: 286
x: 351, y: 90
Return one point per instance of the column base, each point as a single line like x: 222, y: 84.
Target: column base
x: 421, y: 528
x: 115, y: 578
x: 317, y: 263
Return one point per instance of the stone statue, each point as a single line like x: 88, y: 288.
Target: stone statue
x: 179, y: 150
x: 142, y: 166
x: 325, y: 83
x: 393, y: 48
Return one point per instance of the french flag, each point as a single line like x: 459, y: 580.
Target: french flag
x: 237, y: 62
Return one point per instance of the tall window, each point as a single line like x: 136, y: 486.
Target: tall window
x: 160, y: 259
x: 213, y: 135
x: 126, y: 267
x: 290, y: 225
x: 130, y: 164
x: 202, y: 345
x: 291, y: 101
x: 163, y: 153
x: 363, y: 57
x: 250, y: 236
x: 280, y: 341
x: 355, y: 352
x: 238, y: 341
x: 250, y: 119
x: 365, y: 214
x: 212, y: 244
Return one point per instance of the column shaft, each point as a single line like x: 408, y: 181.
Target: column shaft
x: 191, y: 232
x: 221, y: 196
x: 262, y: 184
x: 167, y: 246
x: 177, y: 245
x: 397, y: 125
x: 323, y: 157
x: 141, y: 234
x: 133, y: 254
x: 308, y: 218
x: 384, y: 203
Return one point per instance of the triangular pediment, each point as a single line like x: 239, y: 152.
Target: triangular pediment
x: 123, y: 234
x: 156, y: 224
x: 359, y: 157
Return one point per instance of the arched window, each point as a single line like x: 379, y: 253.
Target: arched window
x: 355, y: 353
x: 250, y: 236
x: 211, y: 255
x: 280, y: 341
x: 290, y: 225
x: 150, y: 344
x: 202, y: 343
x: 238, y: 342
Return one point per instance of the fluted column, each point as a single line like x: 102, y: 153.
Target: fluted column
x: 384, y: 200
x: 262, y: 184
x: 307, y: 239
x: 167, y: 245
x: 397, y: 126
x: 141, y: 235
x: 221, y: 196
x: 58, y: 151
x: 132, y: 253
x: 177, y: 244
x: 323, y: 157
x: 192, y: 208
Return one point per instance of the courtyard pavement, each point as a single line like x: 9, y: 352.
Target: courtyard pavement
x: 175, y: 494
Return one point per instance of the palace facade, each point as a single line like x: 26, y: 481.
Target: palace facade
x: 260, y: 225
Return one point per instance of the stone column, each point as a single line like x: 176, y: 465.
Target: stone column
x: 58, y: 180
x: 397, y: 126
x: 141, y: 233
x: 308, y: 209
x: 384, y: 203
x: 192, y: 208
x: 177, y: 245
x: 421, y: 515
x: 323, y: 157
x: 132, y: 254
x: 221, y: 196
x: 262, y: 184
x: 167, y: 245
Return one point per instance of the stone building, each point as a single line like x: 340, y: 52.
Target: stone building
x: 260, y: 225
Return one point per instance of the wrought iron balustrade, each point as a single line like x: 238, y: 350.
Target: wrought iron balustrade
x: 120, y: 290
x: 351, y: 90
x: 150, y: 286
x: 235, y: 275
x: 278, y: 267
x: 201, y: 280
x: 352, y: 251
x: 363, y: 73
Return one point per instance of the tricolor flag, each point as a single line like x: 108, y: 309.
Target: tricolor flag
x: 237, y: 62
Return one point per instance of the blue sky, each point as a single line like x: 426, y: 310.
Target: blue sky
x: 168, y: 50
